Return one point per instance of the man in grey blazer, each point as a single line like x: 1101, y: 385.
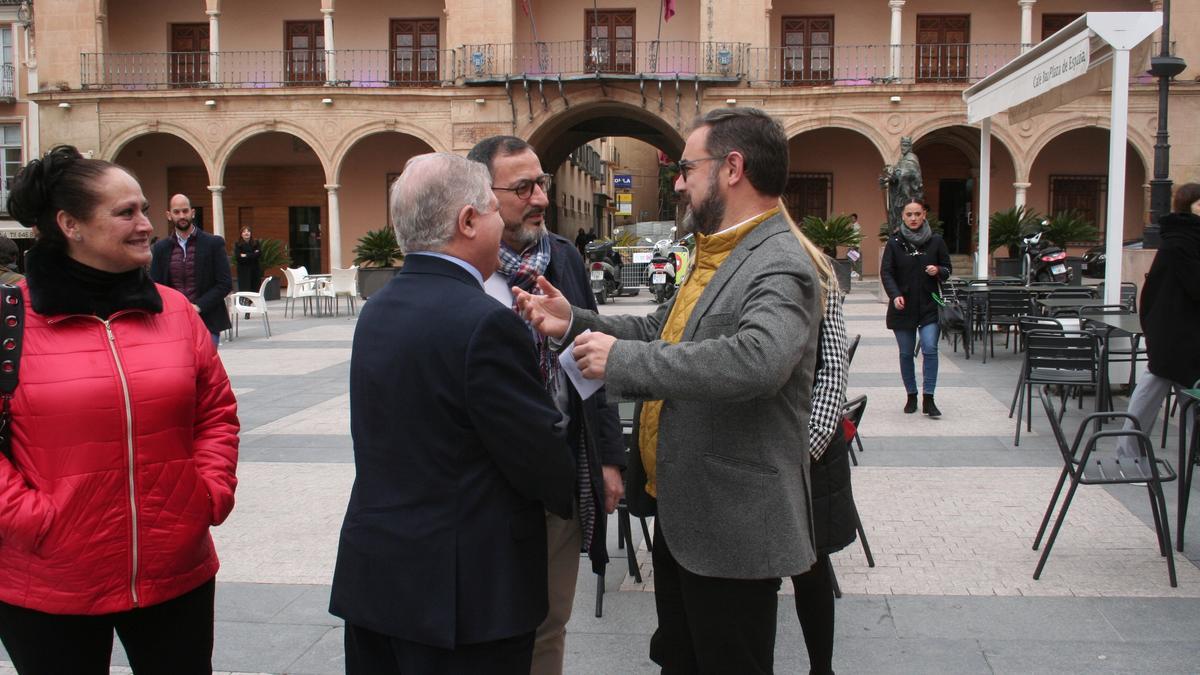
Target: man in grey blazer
x: 723, y: 375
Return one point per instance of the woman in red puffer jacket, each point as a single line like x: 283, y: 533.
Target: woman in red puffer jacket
x: 124, y: 440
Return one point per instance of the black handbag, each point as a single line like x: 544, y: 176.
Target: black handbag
x: 951, y: 317
x: 12, y: 320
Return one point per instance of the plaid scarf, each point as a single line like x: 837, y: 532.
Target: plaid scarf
x: 522, y: 270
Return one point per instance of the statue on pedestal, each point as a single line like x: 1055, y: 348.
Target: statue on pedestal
x: 902, y: 181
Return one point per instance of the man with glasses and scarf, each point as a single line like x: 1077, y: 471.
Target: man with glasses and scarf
x: 527, y: 252
x: 724, y: 376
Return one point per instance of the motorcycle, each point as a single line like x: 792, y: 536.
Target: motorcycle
x: 660, y: 273
x: 1043, y: 261
x: 604, y: 265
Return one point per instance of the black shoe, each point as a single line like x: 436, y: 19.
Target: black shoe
x: 911, y: 406
x: 928, y: 407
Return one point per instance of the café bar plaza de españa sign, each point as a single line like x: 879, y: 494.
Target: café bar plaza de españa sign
x: 1090, y: 53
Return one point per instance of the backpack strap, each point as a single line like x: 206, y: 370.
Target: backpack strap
x: 12, y: 328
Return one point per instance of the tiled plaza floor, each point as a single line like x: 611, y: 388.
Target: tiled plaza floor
x: 949, y: 507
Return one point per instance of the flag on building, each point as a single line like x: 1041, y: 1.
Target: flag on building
x: 525, y: 7
x: 668, y: 9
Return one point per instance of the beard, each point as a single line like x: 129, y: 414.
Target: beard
x: 705, y: 217
x: 528, y: 235
x: 183, y: 224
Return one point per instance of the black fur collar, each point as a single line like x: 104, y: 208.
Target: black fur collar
x: 60, y: 285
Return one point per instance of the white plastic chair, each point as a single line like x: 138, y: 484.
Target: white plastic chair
x: 299, y: 287
x: 343, y: 283
x: 255, y: 305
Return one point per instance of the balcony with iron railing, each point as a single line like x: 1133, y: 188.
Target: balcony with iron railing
x: 608, y: 58
x: 8, y: 83
x: 482, y: 64
x: 422, y: 67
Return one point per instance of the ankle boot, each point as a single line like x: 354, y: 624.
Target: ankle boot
x: 928, y: 407
x: 911, y: 406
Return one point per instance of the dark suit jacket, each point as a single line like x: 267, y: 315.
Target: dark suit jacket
x: 595, y: 418
x: 213, y: 280
x: 456, y: 452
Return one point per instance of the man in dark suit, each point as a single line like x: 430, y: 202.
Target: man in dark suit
x: 194, y: 263
x: 594, y: 438
x: 441, y: 566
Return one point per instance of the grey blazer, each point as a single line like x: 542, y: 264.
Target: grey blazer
x: 732, y: 457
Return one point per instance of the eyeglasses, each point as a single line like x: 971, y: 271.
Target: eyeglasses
x: 686, y: 165
x: 524, y: 188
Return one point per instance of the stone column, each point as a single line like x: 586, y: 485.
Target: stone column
x: 214, y: 45
x: 1021, y: 188
x: 330, y: 57
x: 1026, y: 24
x: 218, y: 208
x: 335, y: 227
x: 894, y: 56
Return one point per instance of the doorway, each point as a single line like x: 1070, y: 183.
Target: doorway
x: 304, y: 237
x: 954, y: 205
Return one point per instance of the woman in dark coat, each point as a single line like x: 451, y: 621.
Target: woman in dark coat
x: 1170, y: 313
x: 915, y: 261
x: 246, y: 251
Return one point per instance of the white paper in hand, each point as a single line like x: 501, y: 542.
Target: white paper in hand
x: 583, y: 385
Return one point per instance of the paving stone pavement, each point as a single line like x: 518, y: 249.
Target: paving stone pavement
x: 949, y: 507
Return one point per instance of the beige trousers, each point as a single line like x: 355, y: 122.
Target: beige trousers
x: 563, y: 538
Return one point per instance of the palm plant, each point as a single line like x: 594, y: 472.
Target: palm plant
x: 378, y: 248
x: 1005, y: 228
x: 1066, y: 227
x: 830, y: 233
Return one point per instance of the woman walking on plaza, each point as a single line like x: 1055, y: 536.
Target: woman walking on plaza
x: 1170, y: 312
x: 246, y: 252
x: 915, y: 260
x: 123, y: 439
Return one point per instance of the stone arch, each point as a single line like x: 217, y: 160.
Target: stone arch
x: 999, y: 133
x: 231, y: 145
x: 357, y: 134
x: 554, y: 134
x: 123, y: 138
x: 1141, y: 145
x: 797, y: 126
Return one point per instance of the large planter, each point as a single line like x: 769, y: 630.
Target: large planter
x: 841, y: 268
x: 371, y: 279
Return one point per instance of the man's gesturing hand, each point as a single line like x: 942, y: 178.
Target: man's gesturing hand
x: 549, y: 313
x: 591, y: 354
x: 614, y: 487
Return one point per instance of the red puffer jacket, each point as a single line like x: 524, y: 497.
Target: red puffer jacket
x: 125, y: 450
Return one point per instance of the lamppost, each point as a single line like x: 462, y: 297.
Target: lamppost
x: 1164, y: 66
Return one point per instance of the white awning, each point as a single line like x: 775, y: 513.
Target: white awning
x: 1092, y: 52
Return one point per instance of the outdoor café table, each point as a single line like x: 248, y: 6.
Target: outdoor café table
x: 321, y: 281
x: 1050, y: 305
x: 1189, y: 401
x: 1122, y: 325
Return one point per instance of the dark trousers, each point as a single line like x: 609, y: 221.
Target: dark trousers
x: 814, y: 608
x: 371, y: 653
x: 172, y: 638
x: 709, y: 624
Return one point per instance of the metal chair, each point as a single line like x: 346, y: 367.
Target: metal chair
x: 1062, y: 358
x: 1093, y: 465
x: 1026, y: 324
x: 626, y: 412
x: 1004, y: 308
x: 854, y: 410
x: 1129, y: 293
x: 1080, y: 293
x: 850, y: 351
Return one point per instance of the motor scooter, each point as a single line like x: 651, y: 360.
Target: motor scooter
x: 660, y: 273
x: 1043, y: 261
x: 604, y: 266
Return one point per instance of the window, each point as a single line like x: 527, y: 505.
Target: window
x: 807, y: 49
x: 10, y: 159
x: 1052, y: 23
x: 610, y: 40
x: 305, y: 56
x: 1084, y: 194
x: 808, y: 194
x: 189, y: 54
x: 414, y: 51
x: 943, y: 41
